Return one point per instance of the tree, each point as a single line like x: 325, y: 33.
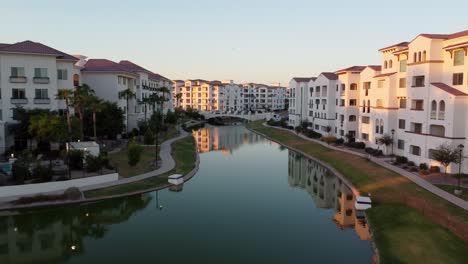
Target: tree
x: 96, y: 106
x: 446, y: 154
x: 178, y: 98
x: 145, y: 102
x: 110, y: 120
x: 304, y: 124
x: 386, y: 140
x: 328, y: 129
x: 66, y: 94
x: 21, y: 129
x: 134, y: 153
x: 80, y: 100
x: 127, y: 94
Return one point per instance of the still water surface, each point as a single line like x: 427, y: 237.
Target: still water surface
x: 252, y: 201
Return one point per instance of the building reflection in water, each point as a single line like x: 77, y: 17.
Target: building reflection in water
x: 45, y: 236
x: 214, y: 138
x: 327, y: 191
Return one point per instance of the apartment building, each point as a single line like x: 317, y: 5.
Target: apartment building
x: 227, y: 96
x: 108, y: 79
x: 322, y: 102
x: 30, y: 75
x: 417, y: 94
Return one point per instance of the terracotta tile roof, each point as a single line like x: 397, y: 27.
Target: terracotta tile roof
x: 352, y: 69
x: 401, y: 44
x: 130, y: 66
x: 304, y: 79
x: 104, y: 65
x: 375, y: 67
x: 458, y: 45
x: 29, y: 47
x: 330, y: 75
x: 384, y: 75
x: 449, y: 89
x: 446, y: 36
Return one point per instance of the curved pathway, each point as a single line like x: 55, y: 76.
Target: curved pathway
x: 167, y: 164
x: 414, y: 178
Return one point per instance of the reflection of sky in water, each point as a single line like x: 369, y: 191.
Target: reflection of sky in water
x: 246, y: 207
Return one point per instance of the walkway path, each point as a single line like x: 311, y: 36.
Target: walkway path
x: 411, y: 176
x: 167, y: 164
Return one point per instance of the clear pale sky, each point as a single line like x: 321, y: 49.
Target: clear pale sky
x: 243, y: 40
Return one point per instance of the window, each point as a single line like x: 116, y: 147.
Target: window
x: 342, y: 102
x: 401, y: 123
x: 381, y: 126
x: 18, y: 93
x: 365, y: 136
x: 124, y: 81
x: 353, y: 86
x: 352, y: 102
x: 415, y: 150
x: 402, y: 83
x: 458, y: 57
x: 424, y: 56
x: 390, y: 64
x: 17, y: 71
x: 377, y: 122
x: 441, y: 110
x: 365, y: 120
x: 433, y: 109
x: 40, y: 72
x: 62, y: 74
x: 403, y: 64
x: 401, y: 144
x: 352, y: 118
x: 416, y: 128
x: 418, y: 81
x: 42, y: 94
x: 385, y: 65
x: 457, y: 78
x: 419, y: 56
x: 402, y: 103
x: 417, y: 105
x: 380, y: 83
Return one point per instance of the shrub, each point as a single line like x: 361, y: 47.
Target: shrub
x: 411, y: 163
x: 93, y: 163
x: 374, y: 152
x: 171, y: 117
x: 357, y: 145
x: 20, y: 171
x: 42, y: 173
x: 312, y: 134
x: 134, y: 153
x: 401, y: 159
x: 149, y: 137
x: 424, y: 172
x: 413, y: 169
x: 405, y: 167
x: 72, y: 193
x: 328, y: 139
x: 434, y: 169
x: 339, y: 141
x: 298, y: 129
x: 76, y: 159
x: 423, y: 166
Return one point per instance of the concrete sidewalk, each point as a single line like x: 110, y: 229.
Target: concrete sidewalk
x: 411, y: 176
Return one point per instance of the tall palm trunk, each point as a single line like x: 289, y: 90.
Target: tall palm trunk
x: 68, y: 118
x: 94, y: 125
x: 128, y: 110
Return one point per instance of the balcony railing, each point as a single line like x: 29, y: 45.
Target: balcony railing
x: 41, y: 80
x: 433, y: 114
x: 441, y: 115
x: 18, y: 79
x: 42, y: 100
x: 19, y: 100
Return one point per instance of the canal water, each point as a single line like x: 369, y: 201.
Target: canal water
x: 252, y: 201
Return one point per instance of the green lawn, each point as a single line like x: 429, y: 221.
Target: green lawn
x: 450, y: 189
x: 384, y: 184
x: 146, y: 163
x: 404, y: 236
x: 183, y: 152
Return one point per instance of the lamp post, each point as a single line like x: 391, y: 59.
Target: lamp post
x: 460, y: 150
x: 393, y: 133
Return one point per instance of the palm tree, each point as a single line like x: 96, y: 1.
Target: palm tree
x: 96, y: 106
x: 385, y: 140
x: 127, y: 94
x: 66, y: 94
x: 81, y: 96
x: 178, y: 98
x: 145, y: 102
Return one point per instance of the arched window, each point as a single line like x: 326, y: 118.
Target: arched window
x: 390, y: 63
x: 353, y: 86
x: 363, y: 106
x: 419, y: 56
x: 414, y: 57
x: 385, y: 65
x: 76, y: 80
x: 424, y: 56
x: 377, y: 126
x: 368, y: 106
x: 433, y: 109
x: 381, y: 126
x: 441, y: 110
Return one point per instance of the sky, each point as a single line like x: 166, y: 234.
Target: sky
x: 242, y: 40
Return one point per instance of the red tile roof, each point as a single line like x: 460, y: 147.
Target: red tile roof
x: 375, y: 67
x: 130, y: 66
x: 446, y: 36
x: 304, y: 79
x: 458, y: 45
x: 384, y: 75
x: 104, y: 65
x: 449, y: 89
x: 330, y: 75
x: 401, y: 44
x: 352, y: 69
x: 29, y: 47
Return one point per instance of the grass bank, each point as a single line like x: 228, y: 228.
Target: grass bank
x: 146, y: 163
x: 385, y: 186
x: 451, y: 189
x: 184, y: 154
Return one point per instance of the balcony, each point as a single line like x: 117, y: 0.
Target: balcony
x: 433, y: 115
x: 441, y: 115
x: 19, y: 100
x: 41, y: 80
x: 18, y: 79
x: 42, y: 100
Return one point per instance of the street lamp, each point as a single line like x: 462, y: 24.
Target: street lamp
x: 460, y: 149
x: 393, y: 133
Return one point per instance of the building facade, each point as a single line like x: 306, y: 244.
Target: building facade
x: 417, y: 95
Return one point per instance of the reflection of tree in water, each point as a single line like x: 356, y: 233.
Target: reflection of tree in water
x: 55, y: 234
x: 326, y: 190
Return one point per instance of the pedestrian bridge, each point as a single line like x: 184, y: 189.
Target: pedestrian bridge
x: 249, y: 117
